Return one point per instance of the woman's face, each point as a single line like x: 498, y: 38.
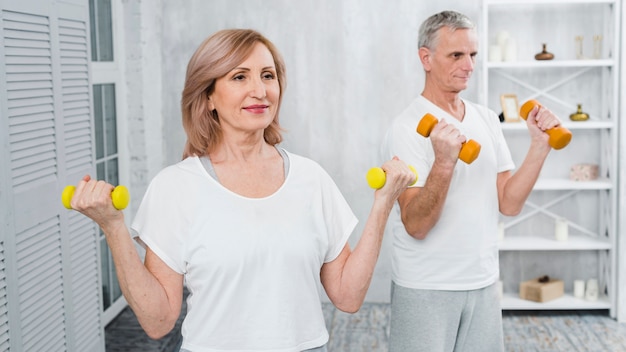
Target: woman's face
x: 246, y: 98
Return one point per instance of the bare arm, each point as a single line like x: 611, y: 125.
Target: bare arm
x: 347, y: 278
x: 153, y: 291
x: 421, y: 207
x: 514, y: 189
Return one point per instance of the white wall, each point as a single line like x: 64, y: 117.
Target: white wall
x: 351, y: 67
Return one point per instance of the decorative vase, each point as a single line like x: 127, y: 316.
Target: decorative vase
x: 579, y: 115
x: 544, y: 54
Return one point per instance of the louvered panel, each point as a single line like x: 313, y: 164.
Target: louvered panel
x: 18, y: 34
x: 16, y: 104
x: 72, y: 63
x: 29, y: 80
x: 70, y: 83
x: 75, y: 91
x: 4, y: 314
x: 71, y: 105
x: 23, y: 124
x: 29, y: 68
x: 82, y: 96
x: 22, y: 71
x: 15, y: 60
x: 24, y: 111
x: 35, y: 159
x: 40, y: 286
x: 26, y: 52
x: 28, y: 94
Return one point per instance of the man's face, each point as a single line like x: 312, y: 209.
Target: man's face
x: 451, y: 61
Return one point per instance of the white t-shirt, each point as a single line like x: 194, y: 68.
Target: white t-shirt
x: 252, y: 265
x: 461, y: 251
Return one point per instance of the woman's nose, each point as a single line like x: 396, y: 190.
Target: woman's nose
x: 257, y: 88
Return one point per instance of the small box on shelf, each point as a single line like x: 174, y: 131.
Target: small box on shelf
x: 541, y: 289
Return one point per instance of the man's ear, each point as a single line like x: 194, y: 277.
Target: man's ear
x: 425, y: 55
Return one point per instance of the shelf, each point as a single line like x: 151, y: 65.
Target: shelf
x: 558, y: 184
x: 550, y: 63
x: 580, y: 125
x: 536, y: 243
x: 589, y: 207
x: 566, y: 302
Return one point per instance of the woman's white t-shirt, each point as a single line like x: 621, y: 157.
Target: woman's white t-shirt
x: 251, y: 265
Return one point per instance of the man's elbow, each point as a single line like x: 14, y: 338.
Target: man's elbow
x: 510, y: 211
x: 415, y: 231
x: 350, y: 307
x: 158, y: 331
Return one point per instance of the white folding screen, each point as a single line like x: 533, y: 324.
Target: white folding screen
x: 49, y: 274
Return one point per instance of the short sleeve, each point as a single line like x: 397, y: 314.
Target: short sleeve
x: 159, y: 224
x: 339, y: 218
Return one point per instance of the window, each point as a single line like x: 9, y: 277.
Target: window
x: 105, y: 126
x: 106, y: 81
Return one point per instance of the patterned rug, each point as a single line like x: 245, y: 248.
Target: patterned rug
x: 368, y: 331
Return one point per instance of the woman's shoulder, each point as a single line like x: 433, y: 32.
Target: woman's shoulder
x: 188, y: 167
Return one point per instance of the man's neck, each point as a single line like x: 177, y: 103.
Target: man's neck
x: 449, y: 102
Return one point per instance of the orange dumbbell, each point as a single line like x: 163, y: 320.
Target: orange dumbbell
x: 559, y: 136
x: 119, y: 196
x: 376, y: 177
x: 469, y: 150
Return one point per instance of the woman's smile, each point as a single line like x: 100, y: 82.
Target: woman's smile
x: 256, y: 109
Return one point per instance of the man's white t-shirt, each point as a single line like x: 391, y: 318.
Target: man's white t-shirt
x: 252, y: 265
x: 461, y: 250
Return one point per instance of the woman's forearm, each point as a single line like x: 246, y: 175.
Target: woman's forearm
x: 156, y: 310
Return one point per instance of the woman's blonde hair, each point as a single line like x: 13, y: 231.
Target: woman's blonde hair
x: 215, y: 57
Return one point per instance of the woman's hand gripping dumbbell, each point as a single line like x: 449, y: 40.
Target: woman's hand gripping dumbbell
x: 376, y: 177
x: 559, y: 135
x: 120, y: 197
x: 469, y: 150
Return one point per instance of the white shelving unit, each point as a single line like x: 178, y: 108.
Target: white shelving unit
x: 529, y: 248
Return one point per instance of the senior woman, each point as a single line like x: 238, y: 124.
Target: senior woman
x: 252, y: 230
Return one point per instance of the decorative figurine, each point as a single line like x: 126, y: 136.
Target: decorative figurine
x: 579, y: 115
x: 544, y: 54
x: 579, y: 47
x: 597, y: 46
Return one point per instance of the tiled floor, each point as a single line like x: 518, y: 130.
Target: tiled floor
x: 368, y: 331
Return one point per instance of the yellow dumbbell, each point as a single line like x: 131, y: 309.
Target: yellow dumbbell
x: 559, y: 135
x: 376, y: 177
x: 119, y: 196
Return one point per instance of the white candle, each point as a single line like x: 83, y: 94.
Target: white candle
x: 560, y: 229
x: 592, y: 290
x: 579, y: 288
x: 510, y: 50
x: 495, y: 53
x: 502, y: 38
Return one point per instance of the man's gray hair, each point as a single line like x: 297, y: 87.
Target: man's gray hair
x: 429, y: 29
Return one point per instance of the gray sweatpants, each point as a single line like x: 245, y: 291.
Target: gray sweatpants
x: 445, y: 321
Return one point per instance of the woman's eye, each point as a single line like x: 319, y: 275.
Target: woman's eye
x: 268, y: 76
x: 239, y: 77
